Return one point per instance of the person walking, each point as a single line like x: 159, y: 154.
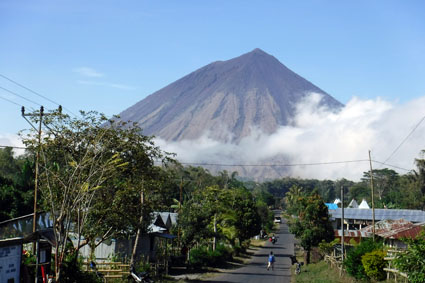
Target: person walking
x: 271, y: 261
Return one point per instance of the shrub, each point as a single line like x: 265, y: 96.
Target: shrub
x: 198, y: 257
x: 72, y: 271
x: 374, y: 264
x: 203, y: 257
x: 326, y: 248
x: 353, y: 262
x: 412, y: 260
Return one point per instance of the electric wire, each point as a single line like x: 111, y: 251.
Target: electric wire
x: 268, y: 165
x: 36, y: 93
x: 13, y: 102
x: 18, y: 95
x: 289, y: 165
x: 404, y: 140
x: 277, y: 165
x: 15, y: 147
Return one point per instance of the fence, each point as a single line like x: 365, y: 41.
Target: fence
x: 111, y: 270
x: 393, y: 272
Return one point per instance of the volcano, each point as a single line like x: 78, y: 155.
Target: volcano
x: 226, y: 100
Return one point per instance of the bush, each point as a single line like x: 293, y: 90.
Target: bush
x: 374, y: 264
x: 353, y: 262
x: 72, y: 271
x: 411, y: 261
x: 326, y: 248
x: 203, y: 256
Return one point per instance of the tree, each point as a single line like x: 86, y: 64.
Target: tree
x: 312, y: 224
x: 293, y: 200
x: 384, y: 180
x: 84, y: 163
x: 16, y: 185
x: 248, y: 220
x: 412, y: 261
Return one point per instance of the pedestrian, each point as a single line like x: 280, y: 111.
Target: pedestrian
x: 271, y: 261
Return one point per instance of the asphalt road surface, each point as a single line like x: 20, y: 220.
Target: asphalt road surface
x: 256, y: 271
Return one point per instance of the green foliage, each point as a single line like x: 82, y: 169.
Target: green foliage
x: 412, y: 261
x: 353, y: 262
x: 84, y: 162
x: 374, y: 264
x: 326, y: 248
x: 312, y: 224
x: 232, y: 211
x: 16, y: 185
x: 72, y: 271
x: 206, y: 257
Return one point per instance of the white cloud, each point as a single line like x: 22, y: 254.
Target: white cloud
x: 321, y: 136
x: 106, y: 84
x: 88, y: 72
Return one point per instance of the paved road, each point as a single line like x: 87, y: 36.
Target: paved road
x: 256, y: 270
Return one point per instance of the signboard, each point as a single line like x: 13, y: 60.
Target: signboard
x: 10, y: 263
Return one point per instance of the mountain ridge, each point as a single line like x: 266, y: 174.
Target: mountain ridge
x: 253, y: 90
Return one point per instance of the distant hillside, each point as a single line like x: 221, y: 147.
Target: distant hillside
x: 233, y: 96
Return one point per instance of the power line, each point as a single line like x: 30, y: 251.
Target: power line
x: 397, y: 167
x: 34, y: 92
x: 289, y: 165
x: 18, y: 95
x: 271, y: 165
x: 8, y: 100
x: 403, y: 141
x: 276, y: 165
x: 16, y: 147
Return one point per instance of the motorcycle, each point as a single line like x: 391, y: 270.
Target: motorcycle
x: 298, y: 267
x: 139, y: 277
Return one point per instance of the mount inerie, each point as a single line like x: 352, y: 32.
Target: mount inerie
x: 225, y: 100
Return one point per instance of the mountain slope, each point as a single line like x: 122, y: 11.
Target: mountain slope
x: 226, y: 100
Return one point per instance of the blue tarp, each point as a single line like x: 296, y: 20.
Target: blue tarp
x: 331, y: 205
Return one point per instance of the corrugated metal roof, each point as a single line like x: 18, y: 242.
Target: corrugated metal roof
x: 352, y: 233
x: 415, y: 216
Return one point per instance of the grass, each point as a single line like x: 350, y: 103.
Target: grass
x: 320, y: 273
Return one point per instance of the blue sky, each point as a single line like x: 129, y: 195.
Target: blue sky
x: 108, y: 55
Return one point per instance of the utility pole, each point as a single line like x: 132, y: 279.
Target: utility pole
x: 373, y: 193
x: 342, y: 223
x: 37, y: 160
x: 180, y: 210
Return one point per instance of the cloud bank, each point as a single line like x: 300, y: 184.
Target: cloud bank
x: 318, y: 135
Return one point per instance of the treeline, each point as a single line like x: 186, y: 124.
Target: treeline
x: 391, y: 190
x: 16, y: 185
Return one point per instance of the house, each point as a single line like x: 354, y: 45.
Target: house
x: 391, y: 231
x: 147, y: 247
x: 14, y: 235
x: 394, y: 223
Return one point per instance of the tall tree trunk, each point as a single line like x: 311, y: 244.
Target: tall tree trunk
x: 139, y: 230
x: 307, y: 256
x: 215, y: 232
